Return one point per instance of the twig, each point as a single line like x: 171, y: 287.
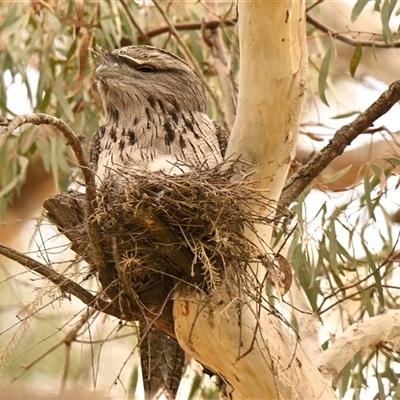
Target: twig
x: 188, y: 26
x: 314, y: 5
x: 5, y: 121
x: 212, y: 25
x: 75, y: 141
x: 346, y: 39
x: 192, y: 60
x: 387, y: 260
x: 214, y: 41
x: 65, y: 284
x: 342, y: 138
x: 168, y: 243
x: 27, y: 367
x: 67, y: 340
x: 142, y: 34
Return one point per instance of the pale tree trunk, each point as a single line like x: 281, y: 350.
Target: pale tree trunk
x: 255, y: 354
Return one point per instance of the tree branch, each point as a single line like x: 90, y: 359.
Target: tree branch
x: 214, y: 41
x: 186, y: 26
x: 381, y: 328
x: 192, y: 60
x: 75, y: 141
x: 273, y: 55
x: 65, y: 284
x: 345, y: 39
x: 143, y: 36
x: 213, y: 25
x: 342, y: 138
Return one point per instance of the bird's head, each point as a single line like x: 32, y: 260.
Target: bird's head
x: 134, y: 77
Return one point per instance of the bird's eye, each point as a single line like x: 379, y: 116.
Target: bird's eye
x: 145, y: 68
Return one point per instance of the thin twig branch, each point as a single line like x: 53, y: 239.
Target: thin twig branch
x: 192, y: 60
x: 318, y: 2
x: 346, y: 39
x: 342, y: 138
x: 75, y: 141
x: 214, y: 41
x: 143, y: 36
x: 69, y: 338
x: 65, y: 284
x: 190, y: 26
x: 212, y: 25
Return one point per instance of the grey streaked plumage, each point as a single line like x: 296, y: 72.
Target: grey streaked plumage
x: 155, y: 113
x: 162, y: 362
x: 154, y: 116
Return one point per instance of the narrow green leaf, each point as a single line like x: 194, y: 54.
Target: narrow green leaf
x: 11, y: 17
x: 357, y: 9
x: 63, y: 104
x: 355, y: 59
x: 196, y: 384
x: 17, y: 176
x: 377, y: 6
x: 346, y: 255
x: 43, y: 148
x: 346, y: 115
x: 368, y: 302
x: 345, y: 379
x: 338, y: 174
x: 43, y: 100
x: 392, y: 160
x: 376, y: 169
x: 376, y: 274
x: 396, y: 395
x: 382, y: 395
x: 367, y: 196
x: 54, y: 23
x: 386, y: 12
x: 331, y: 233
x: 133, y: 383
x: 323, y: 74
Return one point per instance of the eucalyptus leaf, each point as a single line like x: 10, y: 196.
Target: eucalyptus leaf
x: 355, y: 59
x: 323, y: 75
x: 357, y: 9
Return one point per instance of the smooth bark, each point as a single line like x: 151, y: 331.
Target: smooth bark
x: 252, y: 350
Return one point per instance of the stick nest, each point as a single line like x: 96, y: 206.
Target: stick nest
x: 186, y: 227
